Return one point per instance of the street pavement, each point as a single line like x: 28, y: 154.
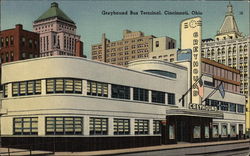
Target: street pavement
x: 221, y: 148
x: 174, y: 149
x: 238, y: 149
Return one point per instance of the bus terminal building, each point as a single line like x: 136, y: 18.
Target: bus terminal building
x: 75, y: 104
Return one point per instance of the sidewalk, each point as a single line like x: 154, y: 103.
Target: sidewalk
x: 16, y: 151
x: 151, y: 148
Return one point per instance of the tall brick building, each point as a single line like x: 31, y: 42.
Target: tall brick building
x: 18, y: 44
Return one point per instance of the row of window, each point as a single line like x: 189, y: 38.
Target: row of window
x: 51, y: 26
x: 226, y: 106
x: 68, y: 85
x: 123, y: 92
x: 224, y: 130
x: 63, y: 85
x: 6, y: 57
x: 9, y: 41
x: 74, y: 126
x: 95, y: 47
x: 171, y: 45
x: 230, y: 49
x: 24, y: 88
x: 97, y: 88
x: 31, y: 43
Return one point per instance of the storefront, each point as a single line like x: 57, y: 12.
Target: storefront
x: 184, y: 125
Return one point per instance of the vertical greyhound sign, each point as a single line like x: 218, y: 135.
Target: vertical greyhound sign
x: 190, y: 31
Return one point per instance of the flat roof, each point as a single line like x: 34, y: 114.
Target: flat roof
x: 98, y: 62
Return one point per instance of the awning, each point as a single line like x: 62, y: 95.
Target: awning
x: 197, y: 113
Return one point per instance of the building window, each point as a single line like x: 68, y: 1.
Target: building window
x: 157, y: 44
x: 5, y: 90
x: 215, y: 131
x: 2, y: 58
x: 173, y: 46
x: 121, y: 92
x: 245, y: 48
x: 25, y: 126
x: 232, y: 107
x: 224, y: 130
x: 15, y: 89
x: 23, y: 55
x: 64, y: 125
x: 171, y: 99
x: 59, y: 85
x: 30, y: 43
x: 2, y: 41
x: 11, y: 56
x: 141, y: 126
x: 140, y: 94
x: 30, y: 87
x: 7, y: 57
x: 121, y: 126
x: 64, y: 85
x: 162, y: 73
x: 97, y: 88
x: 6, y: 41
x: 37, y: 85
x: 11, y: 40
x: 50, y: 85
x: 26, y: 88
x: 22, y: 88
x: 208, y: 83
x: 156, y: 127
x: 233, y: 130
x: 98, y: 126
x: 215, y: 103
x: 240, y: 108
x: 158, y: 97
x: 35, y: 44
x: 224, y: 106
x: 23, y: 41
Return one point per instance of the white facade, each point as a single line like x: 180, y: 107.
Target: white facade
x: 44, y: 105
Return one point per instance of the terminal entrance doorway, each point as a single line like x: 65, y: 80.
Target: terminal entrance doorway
x: 188, y: 129
x: 183, y: 131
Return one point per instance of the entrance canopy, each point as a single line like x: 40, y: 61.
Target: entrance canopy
x: 196, y: 113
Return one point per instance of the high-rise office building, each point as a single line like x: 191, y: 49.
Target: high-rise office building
x: 231, y: 48
x: 133, y: 46
x: 57, y: 33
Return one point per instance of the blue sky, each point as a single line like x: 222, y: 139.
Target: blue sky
x: 91, y: 23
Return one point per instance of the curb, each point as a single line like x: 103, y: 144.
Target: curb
x: 109, y: 152
x: 236, y: 149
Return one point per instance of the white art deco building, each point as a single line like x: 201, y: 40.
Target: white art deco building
x: 73, y: 104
